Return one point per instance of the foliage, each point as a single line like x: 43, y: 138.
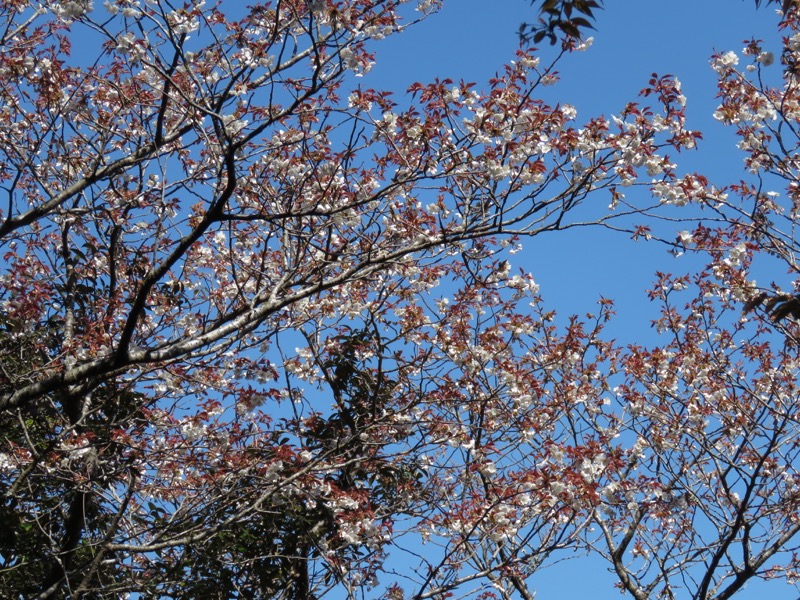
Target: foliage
x: 560, y: 17
x: 261, y: 335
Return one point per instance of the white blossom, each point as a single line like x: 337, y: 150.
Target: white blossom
x: 766, y: 58
x: 725, y: 62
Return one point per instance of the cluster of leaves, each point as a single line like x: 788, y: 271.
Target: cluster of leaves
x: 559, y: 18
x: 779, y: 306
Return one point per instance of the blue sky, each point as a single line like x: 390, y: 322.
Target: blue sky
x: 472, y: 39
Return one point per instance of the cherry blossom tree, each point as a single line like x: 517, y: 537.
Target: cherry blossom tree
x: 261, y: 334
x: 704, y: 495
x: 259, y: 326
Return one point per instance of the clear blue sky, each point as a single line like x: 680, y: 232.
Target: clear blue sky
x: 471, y: 39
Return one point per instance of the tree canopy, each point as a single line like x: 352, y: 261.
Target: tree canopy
x: 263, y: 333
